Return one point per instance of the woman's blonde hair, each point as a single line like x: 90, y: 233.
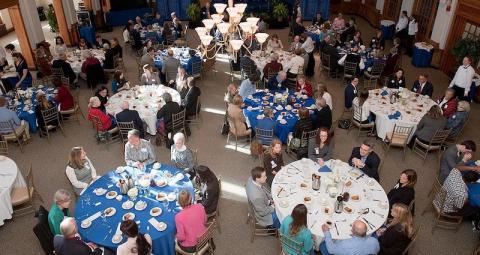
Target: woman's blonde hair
x: 237, y: 100
x: 403, y: 218
x: 184, y: 198
x: 272, y: 145
x: 61, y: 196
x: 43, y: 101
x: 75, y: 160
x: 94, y: 102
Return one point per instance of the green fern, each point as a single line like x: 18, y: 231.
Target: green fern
x: 467, y: 47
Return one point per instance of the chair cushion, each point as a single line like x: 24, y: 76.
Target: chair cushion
x: 399, y: 139
x: 202, y: 251
x: 20, y: 195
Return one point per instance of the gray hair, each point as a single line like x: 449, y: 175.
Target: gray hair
x: 274, y: 56
x: 62, y: 195
x: 369, y: 143
x: 106, y: 46
x: 178, y: 136
x: 464, y: 105
x: 125, y: 105
x: 133, y: 132
x: 167, y: 97
x: 68, y: 227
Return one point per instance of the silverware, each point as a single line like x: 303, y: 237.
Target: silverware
x: 360, y: 176
x: 280, y: 191
x: 369, y: 224
x: 335, y: 224
x: 381, y: 215
x: 313, y: 224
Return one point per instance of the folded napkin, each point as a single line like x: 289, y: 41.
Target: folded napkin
x: 93, y: 217
x: 154, y: 222
x: 324, y: 169
x: 118, y: 231
x: 384, y: 93
x: 396, y: 115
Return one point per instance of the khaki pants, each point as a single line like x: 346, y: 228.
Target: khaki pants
x: 23, y: 126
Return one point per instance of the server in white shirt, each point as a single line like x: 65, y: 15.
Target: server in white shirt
x: 463, y: 79
x: 412, y: 31
x: 295, y: 64
x: 402, y: 26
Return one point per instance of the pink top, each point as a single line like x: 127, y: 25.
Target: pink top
x: 190, y: 224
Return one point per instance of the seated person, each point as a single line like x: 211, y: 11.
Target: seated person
x: 147, y: 46
x: 260, y: 199
x: 193, y: 59
x: 365, y: 159
x: 115, y: 46
x: 60, y: 46
x: 295, y: 228
x: 353, y: 57
x: 152, y: 35
x: 422, y: 86
x: 63, y: 97
x: 330, y: 50
x: 68, y: 72
x: 428, y: 125
x: 322, y: 92
x: 456, y: 200
x: 458, y: 119
x: 83, y: 44
x: 351, y: 92
x: 237, y: 118
x: 181, y: 156
x: 138, y: 152
x: 296, y: 44
x: 177, y: 27
x: 318, y: 19
x: 274, y: 44
x: 108, y: 62
x: 247, y: 64
x: 119, y: 82
x: 23, y: 73
x: 397, y: 80
x: 303, y: 86
x: 359, y: 102
x: 338, y: 22
x: 127, y: 115
x: 43, y: 105
x: 348, y: 33
x: 267, y: 123
x: 278, y: 81
x: 320, y: 148
x: 210, y: 191
x: 304, y: 123
x: 404, y: 191
x: 102, y: 94
x: 149, y: 76
x: 295, y: 64
x: 391, y: 62
x: 232, y: 90
x: 273, y: 160
x: 396, y: 236
x: 191, y: 98
x: 377, y: 42
x: 272, y: 67
x: 323, y: 114
x: 360, y: 243
x: 95, y: 111
x: 248, y: 86
x: 100, y: 42
x: 136, y: 243
x: 448, y: 103
x: 80, y: 170
x: 456, y: 155
x: 190, y: 222
x: 70, y: 243
x: 148, y: 58
x: 7, y: 115
x: 137, y: 39
x: 357, y: 39
x: 168, y: 110
x: 59, y: 210
x: 89, y: 61
x: 180, y: 83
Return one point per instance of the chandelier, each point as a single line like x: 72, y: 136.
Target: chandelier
x: 235, y: 34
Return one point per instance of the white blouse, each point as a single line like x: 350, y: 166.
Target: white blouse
x: 73, y: 178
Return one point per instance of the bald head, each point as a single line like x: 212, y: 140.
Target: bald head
x: 125, y: 105
x: 359, y: 228
x: 68, y: 227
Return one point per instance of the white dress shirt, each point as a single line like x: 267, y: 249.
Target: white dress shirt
x: 308, y: 45
x: 126, y: 35
x: 412, y: 27
x: 361, y: 65
x: 328, y: 99
x: 402, y: 23
x: 463, y: 78
x: 294, y: 64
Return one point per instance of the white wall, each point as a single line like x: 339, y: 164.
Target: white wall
x: 43, y: 3
x: 32, y: 22
x: 380, y: 4
x: 407, y: 5
x: 443, y: 23
x: 6, y: 18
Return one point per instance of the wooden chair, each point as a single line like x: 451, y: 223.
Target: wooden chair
x: 169, y: 40
x: 291, y: 244
x: 371, y: 77
x: 363, y: 128
x: 267, y: 76
x: 349, y: 70
x: 139, y: 67
x: 124, y: 127
x: 57, y: 71
x: 196, y: 69
x: 109, y: 135
x: 171, y: 75
x: 435, y: 144
x: 13, y: 135
x: 412, y: 241
x: 300, y: 70
x: 442, y: 220
x: 246, y: 71
x: 398, y: 138
x: 204, y: 242
x: 75, y: 111
x: 264, y: 135
x: 233, y: 131
x: 196, y: 119
x: 255, y: 228
x: 214, y: 215
x: 454, y: 139
x: 325, y: 59
x: 178, y: 123
x: 51, y: 115
x: 4, y: 148
x: 291, y: 83
x: 23, y: 196
x: 37, y: 82
x: 306, y: 136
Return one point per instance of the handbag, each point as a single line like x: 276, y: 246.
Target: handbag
x: 256, y: 148
x: 225, y: 126
x: 344, y: 124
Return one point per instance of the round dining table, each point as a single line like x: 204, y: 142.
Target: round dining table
x: 181, y: 54
x: 76, y: 60
x: 367, y: 201
x: 10, y: 177
x: 286, y: 115
x: 407, y: 111
x: 261, y: 61
x: 146, y: 100
x: 104, y: 194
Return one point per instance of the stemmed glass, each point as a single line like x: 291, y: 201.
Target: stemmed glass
x: 104, y: 217
x: 166, y: 204
x: 87, y: 200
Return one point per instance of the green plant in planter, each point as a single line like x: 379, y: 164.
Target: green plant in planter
x: 467, y: 47
x: 193, y: 12
x: 52, y: 19
x: 280, y: 11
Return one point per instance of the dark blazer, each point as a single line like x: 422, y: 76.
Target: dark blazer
x: 272, y: 164
x: 399, y: 194
x: 390, y: 64
x: 332, y: 52
x: 104, y: 41
x: 118, y: 50
x: 354, y: 58
x: 347, y: 34
x: 350, y: 94
x: 108, y: 62
x: 302, y: 125
x: 128, y: 115
x: 395, y: 83
x: 377, y: 43
x: 66, y: 67
x: 324, y: 117
x: 427, y: 127
x: 393, y: 241
x: 371, y: 163
x: 247, y: 61
x: 298, y: 29
x: 73, y: 246
x: 191, y: 100
x: 272, y: 84
x: 166, y: 113
x: 210, y: 196
x: 316, y: 21
x: 426, y: 91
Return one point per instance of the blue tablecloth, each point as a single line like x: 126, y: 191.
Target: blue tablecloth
x: 120, y: 18
x: 388, y: 31
x: 88, y: 33
x: 281, y: 130
x: 421, y: 58
x: 183, y: 57
x: 102, y: 232
x: 315, y: 37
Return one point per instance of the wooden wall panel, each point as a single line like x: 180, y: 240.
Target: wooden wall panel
x: 7, y: 3
x: 356, y: 7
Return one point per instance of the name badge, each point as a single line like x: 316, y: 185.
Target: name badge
x: 273, y: 164
x: 143, y: 150
x: 445, y: 106
x: 317, y: 150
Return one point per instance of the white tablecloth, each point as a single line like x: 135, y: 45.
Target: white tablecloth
x: 10, y: 177
x: 424, y: 46
x: 261, y: 62
x: 76, y: 61
x: 411, y: 113
x: 387, y: 23
x: 146, y: 100
x: 372, y: 196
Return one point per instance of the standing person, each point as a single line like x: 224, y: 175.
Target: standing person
x: 463, y: 79
x: 402, y: 27
x: 136, y: 242
x: 412, y: 32
x: 273, y: 160
x: 404, y: 191
x: 209, y: 188
x: 295, y: 227
x: 192, y: 97
x: 190, y: 222
x: 396, y: 236
x: 59, y: 210
x: 365, y: 159
x: 351, y: 93
x: 80, y: 170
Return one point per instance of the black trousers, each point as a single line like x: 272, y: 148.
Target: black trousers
x: 459, y: 92
x: 409, y: 44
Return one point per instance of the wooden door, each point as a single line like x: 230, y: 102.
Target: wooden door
x: 391, y: 9
x: 426, y: 12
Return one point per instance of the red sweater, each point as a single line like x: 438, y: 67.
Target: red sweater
x: 307, y: 87
x: 64, y: 98
x: 88, y: 62
x: 190, y: 224
x: 104, y: 118
x: 448, y: 108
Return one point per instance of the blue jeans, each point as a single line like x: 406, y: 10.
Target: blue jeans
x: 276, y: 221
x: 323, y: 249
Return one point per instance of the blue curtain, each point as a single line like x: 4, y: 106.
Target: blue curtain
x: 166, y: 7
x: 311, y: 7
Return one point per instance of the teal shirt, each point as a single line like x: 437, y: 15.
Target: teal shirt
x: 55, y: 217
x: 304, y: 236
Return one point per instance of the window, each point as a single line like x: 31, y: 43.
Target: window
x: 426, y: 11
x: 472, y: 31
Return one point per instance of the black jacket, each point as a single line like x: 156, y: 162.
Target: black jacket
x: 302, y: 125
x: 128, y: 115
x: 166, y: 113
x: 333, y: 53
x: 350, y: 94
x: 210, y: 196
x: 426, y: 91
x: 272, y: 84
x: 108, y: 62
x: 371, y: 163
x: 393, y: 241
x: 191, y: 99
x: 395, y: 83
x: 324, y: 117
x: 66, y: 67
x: 400, y: 194
x: 64, y: 246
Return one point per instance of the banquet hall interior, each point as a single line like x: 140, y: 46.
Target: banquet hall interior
x: 437, y: 40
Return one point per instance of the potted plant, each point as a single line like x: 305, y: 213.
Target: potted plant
x: 467, y: 47
x: 193, y: 12
x: 52, y: 19
x: 280, y: 11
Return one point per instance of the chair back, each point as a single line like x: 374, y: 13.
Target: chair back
x: 57, y: 71
x: 291, y: 244
x: 29, y: 180
x: 264, y: 135
x: 401, y: 133
x: 306, y: 136
x: 50, y: 115
x: 42, y: 231
x: 357, y: 113
x: 205, y: 238
x: 377, y: 69
x: 169, y: 39
x: 412, y: 240
x: 7, y: 125
x: 65, y: 80
x: 439, y: 194
x: 124, y: 127
x: 350, y: 68
x: 178, y: 120
x: 325, y: 61
x: 440, y: 136
x: 171, y: 75
x: 37, y: 82
x: 246, y: 70
x: 291, y: 83
x: 116, y: 61
x: 300, y: 70
x: 97, y: 123
x: 195, y: 156
x: 196, y: 68
x: 270, y: 74
x: 4, y: 148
